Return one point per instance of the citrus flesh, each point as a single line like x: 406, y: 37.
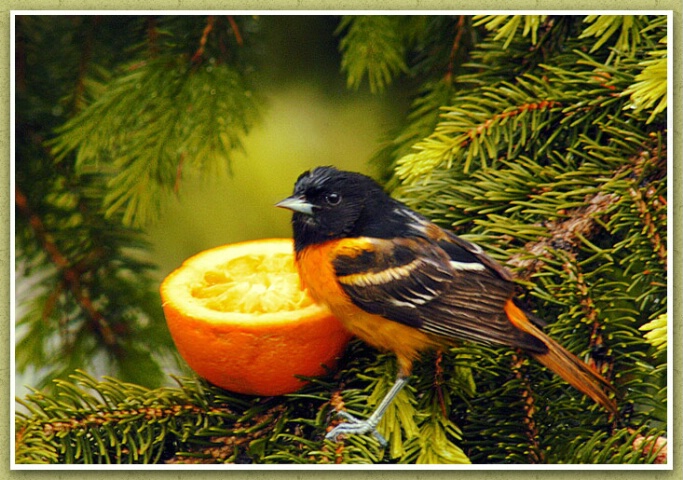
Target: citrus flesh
x: 240, y: 319
x: 253, y: 284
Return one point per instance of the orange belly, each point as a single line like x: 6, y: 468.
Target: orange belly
x: 317, y: 274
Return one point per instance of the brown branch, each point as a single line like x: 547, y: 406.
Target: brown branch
x: 77, y: 102
x: 223, y: 448
x: 210, y: 21
x: 460, y: 26
x: 179, y: 174
x: 535, y: 453
x: 152, y: 36
x: 482, y: 129
x: 99, y: 418
x: 565, y: 235
x: 649, y: 168
x: 646, y: 216
x: 235, y: 30
x: 71, y: 274
x: 582, y: 222
x: 438, y: 382
x: 590, y: 312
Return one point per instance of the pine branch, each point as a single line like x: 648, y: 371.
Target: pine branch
x: 163, y: 110
x: 70, y: 274
x: 82, y: 428
x: 657, y: 333
x: 235, y: 30
x: 578, y: 225
x: 90, y: 299
x: 210, y: 21
x: 440, y: 438
x: 372, y: 45
x: 578, y: 211
x: 78, y: 101
x: 456, y: 47
x: 469, y: 130
x: 633, y: 446
x: 651, y: 84
x: 603, y: 28
x: 506, y: 26
x: 527, y: 143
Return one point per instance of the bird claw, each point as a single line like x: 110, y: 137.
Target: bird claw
x: 354, y: 426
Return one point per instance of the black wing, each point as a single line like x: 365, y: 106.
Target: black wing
x: 447, y: 288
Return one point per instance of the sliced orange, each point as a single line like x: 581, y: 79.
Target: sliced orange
x: 240, y: 320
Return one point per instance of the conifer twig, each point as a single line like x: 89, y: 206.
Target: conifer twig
x: 645, y: 160
x: 210, y: 20
x: 223, y: 447
x: 564, y: 235
x: 152, y: 37
x: 438, y: 382
x: 71, y: 275
x: 647, y: 217
x: 460, y: 26
x: 235, y: 30
x: 179, y: 173
x: 86, y: 53
x: 590, y: 312
x: 535, y: 453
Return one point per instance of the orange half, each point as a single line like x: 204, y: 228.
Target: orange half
x: 240, y: 319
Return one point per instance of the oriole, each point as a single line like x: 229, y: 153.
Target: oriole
x: 402, y: 284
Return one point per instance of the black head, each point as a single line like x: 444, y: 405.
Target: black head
x: 330, y: 204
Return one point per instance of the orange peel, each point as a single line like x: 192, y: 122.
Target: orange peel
x: 239, y: 318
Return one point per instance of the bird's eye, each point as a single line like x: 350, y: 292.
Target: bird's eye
x: 333, y: 198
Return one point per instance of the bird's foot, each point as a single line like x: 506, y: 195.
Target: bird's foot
x: 355, y: 426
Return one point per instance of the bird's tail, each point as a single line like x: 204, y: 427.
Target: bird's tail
x: 564, y: 363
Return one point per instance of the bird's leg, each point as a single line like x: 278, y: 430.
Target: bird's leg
x: 356, y: 426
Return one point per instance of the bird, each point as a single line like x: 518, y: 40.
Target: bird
x: 402, y: 284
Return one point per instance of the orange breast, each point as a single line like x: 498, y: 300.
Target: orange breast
x: 317, y: 274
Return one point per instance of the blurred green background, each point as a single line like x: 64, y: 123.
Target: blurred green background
x: 310, y: 119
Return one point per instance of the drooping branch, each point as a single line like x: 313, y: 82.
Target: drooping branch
x: 210, y: 21
x: 71, y: 274
x: 564, y: 235
x: 235, y: 30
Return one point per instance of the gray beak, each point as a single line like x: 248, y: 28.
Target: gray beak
x: 296, y: 204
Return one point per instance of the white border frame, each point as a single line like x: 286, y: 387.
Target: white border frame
x: 271, y: 467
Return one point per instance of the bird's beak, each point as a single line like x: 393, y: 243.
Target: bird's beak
x: 296, y: 204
